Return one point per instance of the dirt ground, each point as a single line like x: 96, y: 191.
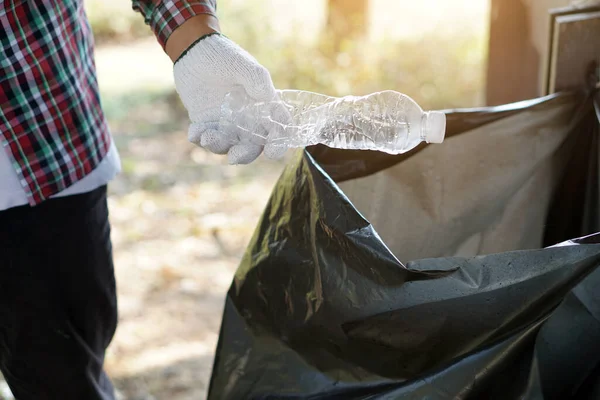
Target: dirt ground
x: 181, y: 220
x: 176, y: 248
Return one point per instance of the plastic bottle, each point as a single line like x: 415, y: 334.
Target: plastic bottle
x: 386, y: 121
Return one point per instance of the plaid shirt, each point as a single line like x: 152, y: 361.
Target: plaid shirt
x: 51, y: 119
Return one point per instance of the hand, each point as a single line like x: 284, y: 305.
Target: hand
x: 204, y: 74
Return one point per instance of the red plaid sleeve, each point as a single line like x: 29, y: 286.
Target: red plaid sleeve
x: 164, y: 16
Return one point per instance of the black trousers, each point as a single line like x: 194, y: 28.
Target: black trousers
x: 58, y: 308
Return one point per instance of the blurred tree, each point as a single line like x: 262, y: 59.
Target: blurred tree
x: 346, y: 20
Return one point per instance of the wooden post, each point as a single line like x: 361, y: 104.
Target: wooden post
x: 575, y: 46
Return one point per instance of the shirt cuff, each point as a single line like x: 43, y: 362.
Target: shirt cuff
x: 169, y: 15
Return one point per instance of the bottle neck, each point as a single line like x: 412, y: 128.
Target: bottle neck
x: 433, y: 126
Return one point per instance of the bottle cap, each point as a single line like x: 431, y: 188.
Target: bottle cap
x: 435, y: 125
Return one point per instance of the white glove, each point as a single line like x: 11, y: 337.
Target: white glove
x: 209, y: 70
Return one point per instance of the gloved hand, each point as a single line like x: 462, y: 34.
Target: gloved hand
x: 204, y: 74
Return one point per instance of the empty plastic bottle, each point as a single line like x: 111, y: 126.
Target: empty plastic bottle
x: 386, y: 121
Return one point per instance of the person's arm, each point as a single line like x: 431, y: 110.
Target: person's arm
x: 189, y: 32
x: 207, y: 66
x: 178, y: 23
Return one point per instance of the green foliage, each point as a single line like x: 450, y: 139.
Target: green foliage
x: 438, y: 72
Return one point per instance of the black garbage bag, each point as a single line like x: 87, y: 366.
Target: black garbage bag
x: 322, y: 308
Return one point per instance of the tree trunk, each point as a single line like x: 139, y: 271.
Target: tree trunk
x: 346, y: 20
